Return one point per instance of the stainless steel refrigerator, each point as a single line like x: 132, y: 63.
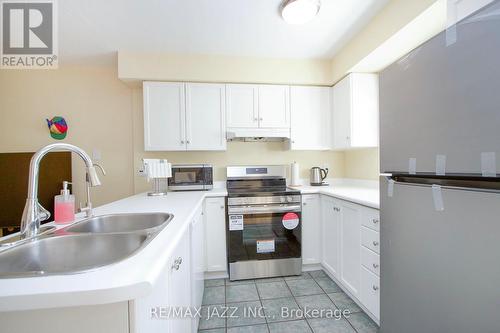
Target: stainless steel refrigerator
x: 440, y: 125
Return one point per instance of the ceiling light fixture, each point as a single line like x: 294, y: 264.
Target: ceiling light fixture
x: 299, y: 11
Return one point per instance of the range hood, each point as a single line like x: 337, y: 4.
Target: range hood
x: 258, y: 134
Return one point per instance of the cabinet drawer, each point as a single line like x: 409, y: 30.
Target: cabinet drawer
x: 371, y: 239
x: 370, y: 291
x: 371, y: 219
x: 370, y: 260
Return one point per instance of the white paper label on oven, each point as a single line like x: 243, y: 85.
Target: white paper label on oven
x: 290, y: 221
x: 265, y: 245
x: 235, y: 222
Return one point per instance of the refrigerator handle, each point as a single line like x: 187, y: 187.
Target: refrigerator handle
x: 463, y: 182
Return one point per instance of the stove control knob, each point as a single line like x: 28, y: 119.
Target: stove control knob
x: 289, y: 199
x: 282, y: 199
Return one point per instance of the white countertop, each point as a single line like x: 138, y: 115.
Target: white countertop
x: 363, y: 192
x: 134, y: 277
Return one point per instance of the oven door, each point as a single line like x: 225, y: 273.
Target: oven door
x: 190, y: 178
x: 264, y: 232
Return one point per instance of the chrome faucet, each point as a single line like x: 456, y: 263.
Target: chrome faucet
x: 33, y: 212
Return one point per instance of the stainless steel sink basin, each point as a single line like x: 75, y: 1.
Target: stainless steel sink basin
x: 121, y: 223
x: 95, y: 242
x: 69, y: 253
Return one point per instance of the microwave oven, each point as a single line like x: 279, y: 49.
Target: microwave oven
x: 191, y: 177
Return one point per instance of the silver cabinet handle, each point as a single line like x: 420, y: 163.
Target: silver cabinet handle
x: 188, y: 142
x: 375, y: 288
x: 177, y: 264
x: 255, y: 119
x: 222, y: 207
x: 375, y: 243
x: 375, y: 265
x: 336, y: 209
x: 375, y: 221
x: 304, y: 203
x: 182, y: 142
x: 261, y: 119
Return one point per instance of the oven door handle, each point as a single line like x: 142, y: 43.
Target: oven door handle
x: 264, y: 209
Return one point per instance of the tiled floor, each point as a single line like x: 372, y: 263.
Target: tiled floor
x: 255, y: 306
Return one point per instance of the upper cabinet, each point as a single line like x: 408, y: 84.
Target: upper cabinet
x: 274, y: 106
x: 205, y: 116
x: 184, y: 116
x: 355, y: 112
x: 242, y: 103
x: 258, y: 106
x: 164, y: 116
x: 310, y: 118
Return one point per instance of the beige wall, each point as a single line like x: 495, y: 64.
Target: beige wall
x: 135, y: 67
x: 237, y: 153
x: 362, y: 164
x: 97, y: 107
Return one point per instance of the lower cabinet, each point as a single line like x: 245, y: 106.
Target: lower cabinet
x: 311, y: 229
x: 350, y: 251
x: 350, y: 241
x: 197, y: 263
x: 330, y: 235
x: 215, y: 234
x: 179, y: 284
x: 370, y: 291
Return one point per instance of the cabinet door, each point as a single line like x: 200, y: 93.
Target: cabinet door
x: 330, y: 212
x: 215, y: 231
x: 311, y: 229
x: 205, y: 116
x: 179, y: 283
x: 350, y: 242
x: 364, y: 110
x: 197, y: 263
x: 342, y: 114
x: 164, y: 116
x: 274, y: 106
x: 310, y: 118
x: 370, y: 291
x: 242, y: 105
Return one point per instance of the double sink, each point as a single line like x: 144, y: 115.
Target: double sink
x: 86, y: 245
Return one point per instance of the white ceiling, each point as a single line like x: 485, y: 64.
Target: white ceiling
x: 91, y: 31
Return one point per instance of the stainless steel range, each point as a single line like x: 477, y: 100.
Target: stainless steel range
x: 263, y: 222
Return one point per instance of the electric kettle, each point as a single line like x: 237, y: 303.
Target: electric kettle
x: 318, y: 175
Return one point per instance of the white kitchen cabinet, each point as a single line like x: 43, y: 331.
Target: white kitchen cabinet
x: 205, y: 116
x: 311, y: 229
x: 197, y: 263
x: 310, y: 109
x: 274, y: 106
x: 355, y: 112
x: 179, y: 284
x: 184, y: 116
x: 350, y: 242
x: 257, y: 107
x: 330, y: 214
x: 242, y: 105
x: 370, y: 291
x: 164, y: 116
x: 215, y: 234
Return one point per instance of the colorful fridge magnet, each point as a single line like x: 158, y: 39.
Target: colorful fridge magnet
x: 58, y: 127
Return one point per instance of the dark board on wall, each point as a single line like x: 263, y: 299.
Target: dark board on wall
x: 14, y: 169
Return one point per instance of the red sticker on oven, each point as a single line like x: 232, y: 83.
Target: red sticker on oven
x: 290, y: 221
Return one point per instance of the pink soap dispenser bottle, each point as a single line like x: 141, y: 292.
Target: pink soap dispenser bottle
x: 64, y: 206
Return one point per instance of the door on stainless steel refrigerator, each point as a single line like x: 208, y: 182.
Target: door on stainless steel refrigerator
x: 439, y: 125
